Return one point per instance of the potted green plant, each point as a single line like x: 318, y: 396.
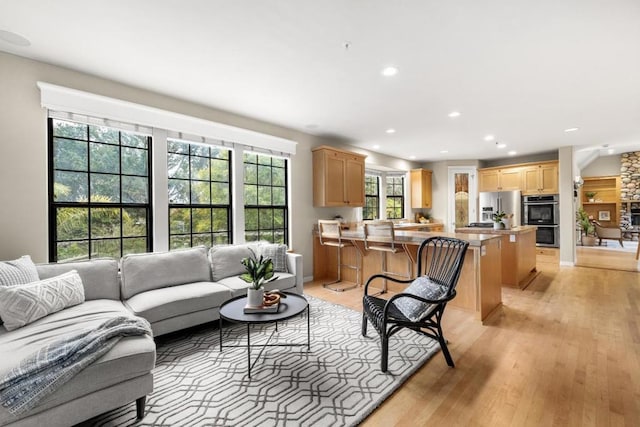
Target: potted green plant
x: 590, y: 195
x: 259, y: 272
x: 587, y: 228
x: 497, y: 220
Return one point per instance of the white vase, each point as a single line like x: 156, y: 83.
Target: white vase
x: 498, y: 226
x: 255, y: 297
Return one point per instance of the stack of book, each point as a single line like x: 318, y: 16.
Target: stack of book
x: 249, y: 309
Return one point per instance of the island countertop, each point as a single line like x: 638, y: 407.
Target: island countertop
x: 521, y: 229
x: 412, y: 237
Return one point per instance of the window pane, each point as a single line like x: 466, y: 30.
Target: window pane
x: 264, y: 195
x: 220, y: 219
x: 104, y: 158
x: 201, y: 239
x: 177, y: 242
x: 264, y: 175
x: 265, y: 219
x: 72, y: 251
x: 277, y: 162
x: 72, y: 223
x: 104, y: 134
x: 201, y: 220
x: 69, y: 129
x: 134, y: 161
x: 70, y: 186
x: 134, y: 222
x: 134, y: 246
x: 105, y: 248
x: 279, y: 218
x: 200, y: 193
x: 133, y: 140
x: 250, y: 174
x: 279, y: 196
x: 250, y: 195
x: 178, y: 191
x: 105, y: 222
x: 199, y: 168
x: 264, y: 160
x: 251, y: 219
x: 178, y: 166
x: 219, y: 153
x: 70, y: 154
x: 220, y: 239
x: 250, y: 158
x: 219, y: 170
x: 179, y: 220
x: 135, y: 189
x: 278, y: 177
x: 219, y: 193
x: 199, y: 150
x: 105, y: 188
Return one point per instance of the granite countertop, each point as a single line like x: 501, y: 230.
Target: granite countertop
x: 417, y: 237
x: 521, y: 229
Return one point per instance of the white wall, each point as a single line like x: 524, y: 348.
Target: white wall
x: 23, y: 154
x: 603, y: 166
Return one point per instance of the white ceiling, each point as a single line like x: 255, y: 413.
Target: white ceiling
x: 521, y: 70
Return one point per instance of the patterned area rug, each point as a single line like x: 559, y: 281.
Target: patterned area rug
x: 337, y: 383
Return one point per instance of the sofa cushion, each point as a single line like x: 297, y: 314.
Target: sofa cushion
x: 278, y: 254
x: 164, y: 303
x: 144, y: 272
x: 238, y: 287
x: 18, y: 271
x: 131, y: 356
x: 99, y: 276
x: 24, y: 304
x: 226, y: 260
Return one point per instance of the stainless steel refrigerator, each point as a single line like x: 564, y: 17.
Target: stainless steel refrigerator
x: 509, y: 202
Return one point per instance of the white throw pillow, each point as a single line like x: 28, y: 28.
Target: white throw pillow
x: 423, y: 287
x: 278, y: 254
x: 26, y: 303
x: 18, y: 271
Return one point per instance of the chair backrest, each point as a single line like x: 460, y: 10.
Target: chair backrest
x: 607, y: 232
x: 441, y: 259
x: 329, y: 229
x: 380, y: 232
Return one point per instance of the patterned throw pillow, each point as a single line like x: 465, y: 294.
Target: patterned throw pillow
x: 18, y: 272
x: 277, y: 253
x: 423, y: 287
x: 26, y: 303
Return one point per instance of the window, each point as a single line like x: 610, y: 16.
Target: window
x: 265, y: 198
x: 371, y: 208
x: 395, y: 197
x: 199, y: 194
x: 99, y: 191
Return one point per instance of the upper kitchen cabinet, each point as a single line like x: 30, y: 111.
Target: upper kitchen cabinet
x: 540, y: 178
x: 420, y: 188
x: 338, y: 177
x: 500, y: 179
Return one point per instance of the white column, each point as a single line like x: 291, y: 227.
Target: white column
x: 160, y: 193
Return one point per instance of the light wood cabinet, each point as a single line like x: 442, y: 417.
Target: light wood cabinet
x: 338, y: 177
x: 540, y: 179
x: 421, y: 196
x: 500, y: 179
x: 606, y: 204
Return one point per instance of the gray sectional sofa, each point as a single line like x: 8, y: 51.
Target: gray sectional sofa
x: 172, y: 290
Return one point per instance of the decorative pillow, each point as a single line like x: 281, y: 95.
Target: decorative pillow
x: 278, y: 254
x: 24, y: 304
x: 226, y: 260
x: 18, y: 271
x: 423, y: 287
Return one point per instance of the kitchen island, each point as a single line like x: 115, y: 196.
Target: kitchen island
x: 479, y: 289
x: 518, y: 253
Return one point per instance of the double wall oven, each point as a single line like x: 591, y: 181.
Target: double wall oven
x: 543, y: 212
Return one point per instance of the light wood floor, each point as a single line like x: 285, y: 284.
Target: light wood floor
x: 599, y: 257
x: 565, y: 352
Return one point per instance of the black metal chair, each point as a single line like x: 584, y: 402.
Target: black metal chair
x: 440, y: 261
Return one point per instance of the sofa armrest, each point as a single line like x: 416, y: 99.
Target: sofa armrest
x: 294, y: 265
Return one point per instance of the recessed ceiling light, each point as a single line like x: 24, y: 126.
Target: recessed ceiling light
x: 390, y: 130
x: 14, y: 39
x: 389, y: 71
x: 489, y: 138
x: 444, y: 151
x: 571, y: 129
x: 501, y: 145
x: 454, y: 114
x: 512, y: 153
x: 610, y: 151
x: 412, y: 157
x: 375, y: 147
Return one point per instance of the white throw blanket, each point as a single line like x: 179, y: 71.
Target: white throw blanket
x: 49, y: 368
